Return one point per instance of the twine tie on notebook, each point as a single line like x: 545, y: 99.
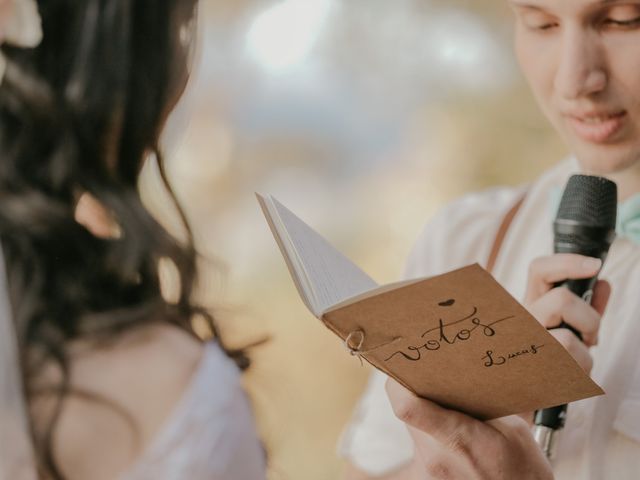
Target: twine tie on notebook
x: 355, y: 346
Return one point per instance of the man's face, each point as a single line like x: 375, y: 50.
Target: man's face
x: 582, y: 60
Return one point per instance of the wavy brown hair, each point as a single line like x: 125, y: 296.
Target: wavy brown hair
x: 81, y: 113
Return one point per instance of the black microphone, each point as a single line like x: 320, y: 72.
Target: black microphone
x: 585, y: 224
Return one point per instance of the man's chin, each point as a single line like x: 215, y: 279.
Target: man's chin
x: 607, y: 159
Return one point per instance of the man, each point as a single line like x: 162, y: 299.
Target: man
x: 582, y: 60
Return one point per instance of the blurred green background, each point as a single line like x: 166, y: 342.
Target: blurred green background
x: 363, y: 117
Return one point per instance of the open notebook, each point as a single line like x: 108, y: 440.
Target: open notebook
x: 458, y: 338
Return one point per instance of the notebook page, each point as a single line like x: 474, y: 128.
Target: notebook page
x: 288, y: 251
x: 332, y: 276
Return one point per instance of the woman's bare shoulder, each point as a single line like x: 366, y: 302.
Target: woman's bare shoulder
x: 125, y: 394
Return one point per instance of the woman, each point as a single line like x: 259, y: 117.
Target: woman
x: 116, y: 383
x: 581, y: 60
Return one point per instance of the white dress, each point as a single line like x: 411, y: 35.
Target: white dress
x: 211, y: 433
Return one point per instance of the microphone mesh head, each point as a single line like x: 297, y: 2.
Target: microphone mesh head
x: 590, y: 201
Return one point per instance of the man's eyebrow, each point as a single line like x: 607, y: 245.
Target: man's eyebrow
x: 524, y: 4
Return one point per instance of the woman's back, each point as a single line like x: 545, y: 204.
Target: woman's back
x: 164, y: 407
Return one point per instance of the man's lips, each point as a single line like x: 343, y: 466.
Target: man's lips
x: 597, y: 127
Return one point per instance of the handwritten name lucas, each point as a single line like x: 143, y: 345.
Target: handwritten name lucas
x: 493, y: 360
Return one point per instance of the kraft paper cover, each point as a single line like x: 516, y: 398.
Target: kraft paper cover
x: 461, y: 340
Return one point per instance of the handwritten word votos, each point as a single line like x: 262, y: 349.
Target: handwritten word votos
x: 445, y: 335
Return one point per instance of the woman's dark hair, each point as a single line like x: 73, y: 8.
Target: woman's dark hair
x: 81, y: 113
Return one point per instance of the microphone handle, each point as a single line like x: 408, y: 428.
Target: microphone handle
x: 549, y: 420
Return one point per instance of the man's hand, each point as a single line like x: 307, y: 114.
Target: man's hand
x: 552, y: 306
x: 451, y: 445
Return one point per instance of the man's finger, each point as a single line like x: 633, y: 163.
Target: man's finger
x: 544, y: 272
x: 601, y: 294
x: 561, y: 305
x: 442, y: 424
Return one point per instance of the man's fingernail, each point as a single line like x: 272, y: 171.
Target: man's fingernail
x: 591, y: 264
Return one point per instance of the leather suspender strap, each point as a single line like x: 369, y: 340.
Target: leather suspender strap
x: 502, y: 233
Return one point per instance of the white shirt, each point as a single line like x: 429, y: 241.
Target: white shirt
x: 601, y: 439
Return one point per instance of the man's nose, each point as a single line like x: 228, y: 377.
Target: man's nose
x: 582, y: 70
